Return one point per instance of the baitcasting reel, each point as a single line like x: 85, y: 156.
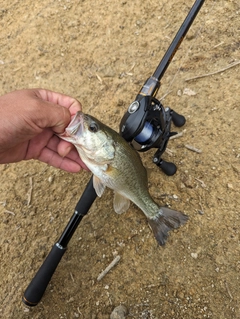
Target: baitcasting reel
x: 147, y: 125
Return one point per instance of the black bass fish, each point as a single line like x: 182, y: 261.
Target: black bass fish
x: 115, y: 164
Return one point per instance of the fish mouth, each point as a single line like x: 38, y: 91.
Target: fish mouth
x: 75, y: 127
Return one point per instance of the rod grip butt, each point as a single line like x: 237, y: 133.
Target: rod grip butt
x: 39, y: 283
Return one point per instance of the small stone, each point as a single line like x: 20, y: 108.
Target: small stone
x: 120, y: 102
x: 188, y: 181
x: 50, y: 179
x: 189, y: 92
x: 71, y: 299
x: 230, y: 185
x: 194, y: 255
x: 119, y: 312
x: 180, y: 295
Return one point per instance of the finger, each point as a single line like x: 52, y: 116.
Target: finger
x: 49, y: 112
x: 54, y: 159
x: 49, y: 115
x: 73, y: 155
x: 61, y: 99
x: 38, y: 143
x: 65, y: 149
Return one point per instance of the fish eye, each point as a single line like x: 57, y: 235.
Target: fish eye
x: 93, y: 127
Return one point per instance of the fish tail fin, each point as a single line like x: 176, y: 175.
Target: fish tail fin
x: 166, y: 220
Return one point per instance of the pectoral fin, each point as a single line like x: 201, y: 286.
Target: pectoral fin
x: 98, y: 186
x: 120, y: 203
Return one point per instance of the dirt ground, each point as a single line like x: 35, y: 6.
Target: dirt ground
x: 101, y: 52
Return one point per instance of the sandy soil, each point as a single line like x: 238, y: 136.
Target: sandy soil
x: 101, y: 52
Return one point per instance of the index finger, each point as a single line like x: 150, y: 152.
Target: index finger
x: 61, y: 99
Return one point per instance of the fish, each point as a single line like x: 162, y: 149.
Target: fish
x: 116, y: 165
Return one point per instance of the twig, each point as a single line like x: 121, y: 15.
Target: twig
x: 201, y: 182
x: 169, y: 152
x: 99, y: 78
x: 9, y: 212
x: 132, y: 67
x: 71, y: 275
x: 192, y: 148
x: 228, y: 290
x: 212, y: 73
x: 217, y: 45
x: 109, y: 267
x: 201, y: 212
x: 176, y: 136
x: 163, y: 97
x: 30, y: 191
x: 79, y: 311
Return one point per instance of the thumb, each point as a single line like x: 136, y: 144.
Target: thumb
x: 53, y: 116
x: 59, y: 107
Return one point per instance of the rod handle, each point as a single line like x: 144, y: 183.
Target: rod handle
x: 38, y: 285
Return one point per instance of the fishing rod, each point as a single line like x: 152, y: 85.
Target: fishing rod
x: 145, y: 125
x: 39, y: 283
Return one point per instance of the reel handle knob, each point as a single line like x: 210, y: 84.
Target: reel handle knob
x: 178, y: 120
x: 168, y: 168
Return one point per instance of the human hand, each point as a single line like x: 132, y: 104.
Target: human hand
x: 29, y: 120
